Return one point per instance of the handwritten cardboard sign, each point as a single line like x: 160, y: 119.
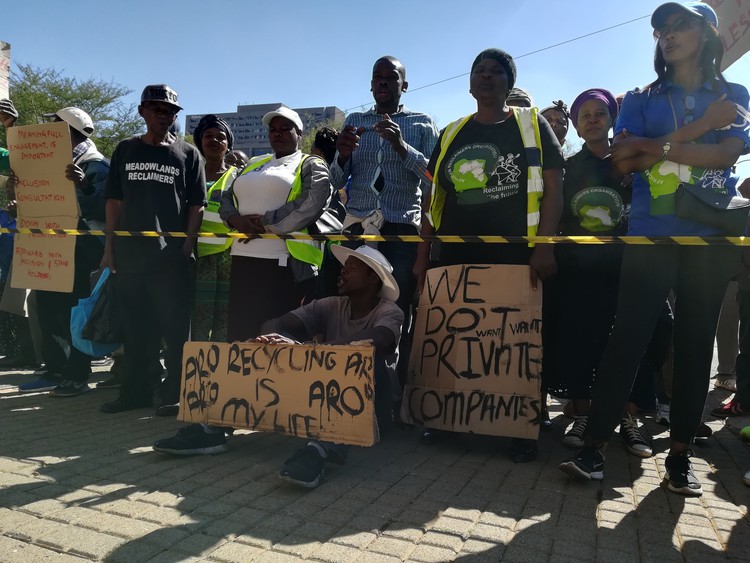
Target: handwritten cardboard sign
x: 310, y: 391
x: 4, y: 69
x: 734, y: 28
x: 44, y: 261
x: 46, y: 199
x: 476, y: 358
x: 39, y: 155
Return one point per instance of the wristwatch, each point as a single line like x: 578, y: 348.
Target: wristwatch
x: 665, y: 149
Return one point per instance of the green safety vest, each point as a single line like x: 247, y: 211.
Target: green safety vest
x: 308, y: 251
x: 212, y: 223
x: 528, y: 124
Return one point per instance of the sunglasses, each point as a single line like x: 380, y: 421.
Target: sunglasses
x: 162, y: 111
x: 677, y: 26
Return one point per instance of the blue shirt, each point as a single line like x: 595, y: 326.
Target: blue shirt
x: 400, y: 196
x: 6, y: 244
x: 649, y: 113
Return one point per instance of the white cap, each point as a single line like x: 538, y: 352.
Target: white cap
x: 284, y: 111
x: 376, y: 261
x: 77, y: 119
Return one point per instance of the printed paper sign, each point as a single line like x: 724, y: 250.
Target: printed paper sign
x: 476, y: 358
x: 310, y: 391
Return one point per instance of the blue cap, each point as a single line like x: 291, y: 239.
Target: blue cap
x: 700, y: 9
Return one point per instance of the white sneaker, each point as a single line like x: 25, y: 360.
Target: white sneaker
x: 662, y: 415
x: 636, y: 443
x: 574, y: 436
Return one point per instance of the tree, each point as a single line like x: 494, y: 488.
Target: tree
x: 36, y: 91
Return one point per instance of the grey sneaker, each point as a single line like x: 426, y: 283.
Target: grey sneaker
x: 574, y: 437
x: 662, y: 414
x: 728, y: 383
x: 679, y: 473
x: 634, y: 440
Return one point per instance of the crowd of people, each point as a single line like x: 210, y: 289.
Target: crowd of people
x: 623, y: 327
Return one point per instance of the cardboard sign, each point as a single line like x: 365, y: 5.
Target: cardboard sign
x: 44, y: 261
x: 310, y: 391
x: 4, y: 69
x: 46, y: 199
x: 476, y: 358
x: 39, y: 155
x: 734, y: 28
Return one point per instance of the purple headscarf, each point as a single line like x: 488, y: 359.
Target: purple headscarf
x: 594, y: 94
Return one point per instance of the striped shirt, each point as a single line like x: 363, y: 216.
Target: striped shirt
x: 379, y: 178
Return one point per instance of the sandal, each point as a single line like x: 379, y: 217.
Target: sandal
x: 730, y: 409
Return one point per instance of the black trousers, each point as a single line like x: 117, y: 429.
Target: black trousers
x: 699, y: 276
x: 54, y: 314
x: 743, y: 358
x: 153, y: 306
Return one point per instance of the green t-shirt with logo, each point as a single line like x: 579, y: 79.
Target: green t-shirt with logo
x: 596, y: 203
x: 484, y: 174
x: 4, y: 161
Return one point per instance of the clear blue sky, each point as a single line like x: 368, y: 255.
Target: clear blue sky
x: 220, y: 54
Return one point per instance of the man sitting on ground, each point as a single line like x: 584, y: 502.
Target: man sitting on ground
x: 365, y: 309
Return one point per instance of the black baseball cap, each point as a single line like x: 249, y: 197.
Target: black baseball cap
x: 160, y: 93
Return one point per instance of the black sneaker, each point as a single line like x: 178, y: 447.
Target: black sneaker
x: 70, y: 389
x: 119, y: 405
x: 588, y: 463
x: 523, y: 450
x: 113, y: 382
x: 680, y: 475
x: 193, y: 440
x: 305, y: 468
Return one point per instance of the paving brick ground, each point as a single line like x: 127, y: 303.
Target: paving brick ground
x: 76, y: 484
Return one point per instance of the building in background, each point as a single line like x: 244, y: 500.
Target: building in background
x: 251, y: 136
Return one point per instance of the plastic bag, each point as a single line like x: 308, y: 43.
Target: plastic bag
x: 93, y: 325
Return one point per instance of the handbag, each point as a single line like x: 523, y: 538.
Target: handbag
x: 724, y: 212
x: 331, y: 220
x: 85, y: 329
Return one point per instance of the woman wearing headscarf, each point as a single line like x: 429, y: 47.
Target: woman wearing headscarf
x: 559, y: 119
x: 278, y: 194
x: 666, y: 134
x: 495, y: 197
x: 214, y: 140
x: 579, y: 303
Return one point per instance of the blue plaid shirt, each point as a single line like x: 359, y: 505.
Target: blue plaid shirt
x: 399, y: 194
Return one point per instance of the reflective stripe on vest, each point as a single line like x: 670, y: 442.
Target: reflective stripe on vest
x: 212, y: 223
x: 528, y: 125
x: 308, y: 251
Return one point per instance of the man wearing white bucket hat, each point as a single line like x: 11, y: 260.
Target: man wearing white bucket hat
x: 365, y: 309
